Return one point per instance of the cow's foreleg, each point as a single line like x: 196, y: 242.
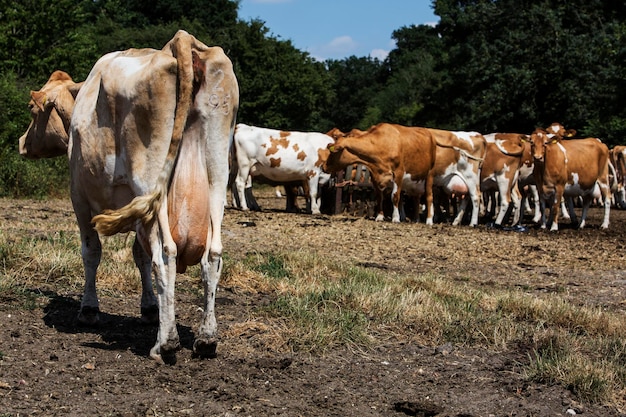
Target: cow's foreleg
x: 313, y: 194
x: 380, y: 194
x: 241, y: 182
x: 555, y: 211
x: 395, y: 200
x: 572, y: 214
x: 149, y: 303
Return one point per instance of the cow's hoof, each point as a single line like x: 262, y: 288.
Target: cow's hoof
x: 205, y: 347
x: 163, y: 357
x: 89, y: 316
x: 150, y: 315
x: 166, y: 353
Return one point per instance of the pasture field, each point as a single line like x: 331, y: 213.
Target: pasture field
x: 323, y: 316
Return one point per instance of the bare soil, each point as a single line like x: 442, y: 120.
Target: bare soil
x: 50, y: 366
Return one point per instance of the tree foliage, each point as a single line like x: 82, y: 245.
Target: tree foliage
x: 488, y: 65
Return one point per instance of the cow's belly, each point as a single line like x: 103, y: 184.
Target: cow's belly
x: 453, y: 184
x: 576, y: 190
x: 280, y: 173
x: 411, y: 187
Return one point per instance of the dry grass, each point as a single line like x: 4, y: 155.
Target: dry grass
x: 328, y: 304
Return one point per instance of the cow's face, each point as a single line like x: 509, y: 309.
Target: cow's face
x: 559, y: 130
x: 539, y: 140
x: 51, y: 110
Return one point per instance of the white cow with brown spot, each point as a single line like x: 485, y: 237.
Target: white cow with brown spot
x: 280, y: 156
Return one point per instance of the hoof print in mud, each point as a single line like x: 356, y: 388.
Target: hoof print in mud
x: 419, y: 408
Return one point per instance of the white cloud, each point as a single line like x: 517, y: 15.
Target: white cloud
x: 342, y: 44
x: 379, y: 53
x: 336, y: 48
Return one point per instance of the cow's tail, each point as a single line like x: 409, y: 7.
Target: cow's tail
x: 146, y: 207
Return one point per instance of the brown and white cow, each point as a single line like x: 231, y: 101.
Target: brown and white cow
x: 617, y: 156
x: 393, y: 154
x: 148, y: 147
x: 500, y: 172
x: 457, y: 168
x: 282, y: 157
x: 568, y: 168
x: 527, y: 185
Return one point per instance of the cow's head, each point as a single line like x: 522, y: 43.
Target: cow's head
x: 333, y: 162
x: 558, y: 129
x: 335, y: 133
x: 51, y: 111
x: 539, y: 140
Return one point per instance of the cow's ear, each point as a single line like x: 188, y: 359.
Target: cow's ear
x: 334, y: 148
x: 199, y: 67
x: 39, y: 98
x: 570, y: 133
x: 524, y: 138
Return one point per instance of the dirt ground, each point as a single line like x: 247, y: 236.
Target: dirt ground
x: 52, y: 367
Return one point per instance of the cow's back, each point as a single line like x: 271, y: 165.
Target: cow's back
x: 280, y: 155
x: 121, y: 127
x: 586, y: 159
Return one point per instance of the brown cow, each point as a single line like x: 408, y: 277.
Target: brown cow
x: 618, y: 159
x: 393, y: 154
x: 568, y: 168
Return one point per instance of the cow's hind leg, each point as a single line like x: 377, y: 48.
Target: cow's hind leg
x: 205, y: 344
x: 91, y: 252
x: 149, y: 304
x: 164, y: 266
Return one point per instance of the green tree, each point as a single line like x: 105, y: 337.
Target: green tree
x: 355, y: 82
x: 280, y: 86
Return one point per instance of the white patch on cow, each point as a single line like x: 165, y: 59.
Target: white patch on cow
x: 129, y: 66
x: 490, y: 138
x: 562, y: 148
x: 467, y: 136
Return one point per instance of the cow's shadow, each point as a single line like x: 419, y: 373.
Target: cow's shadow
x: 118, y: 332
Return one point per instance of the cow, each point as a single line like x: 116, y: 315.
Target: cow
x: 500, y: 172
x: 51, y: 109
x: 527, y: 185
x: 567, y: 168
x: 459, y: 156
x: 148, y: 147
x: 618, y: 160
x: 282, y: 157
x: 393, y: 154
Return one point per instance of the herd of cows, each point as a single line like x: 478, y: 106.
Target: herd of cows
x: 494, y: 173
x: 153, y: 146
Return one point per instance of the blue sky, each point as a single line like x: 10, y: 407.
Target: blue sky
x: 336, y: 29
